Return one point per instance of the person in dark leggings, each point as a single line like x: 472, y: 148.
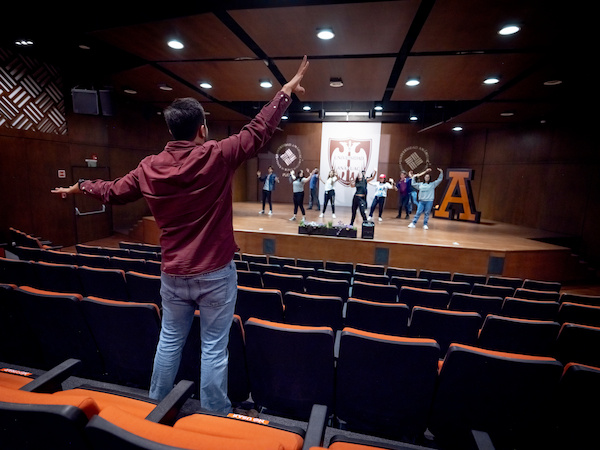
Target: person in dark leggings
x: 359, y: 201
x: 329, y: 193
x: 298, y: 183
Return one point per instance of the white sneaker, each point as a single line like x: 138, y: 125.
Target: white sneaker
x: 261, y: 212
x: 321, y: 215
x: 333, y: 215
x: 303, y: 219
x: 293, y: 218
x: 411, y: 225
x: 270, y: 213
x: 425, y: 227
x: 380, y: 219
x: 369, y: 219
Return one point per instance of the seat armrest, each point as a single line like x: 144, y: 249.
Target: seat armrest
x: 51, y: 381
x: 315, y: 430
x: 482, y: 440
x: 166, y: 411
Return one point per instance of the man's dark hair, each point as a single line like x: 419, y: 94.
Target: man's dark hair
x: 184, y: 116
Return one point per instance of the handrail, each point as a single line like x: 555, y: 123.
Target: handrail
x: 100, y: 211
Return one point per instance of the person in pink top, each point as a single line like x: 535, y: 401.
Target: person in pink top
x: 188, y: 190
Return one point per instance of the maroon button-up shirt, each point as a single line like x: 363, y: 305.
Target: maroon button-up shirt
x: 188, y: 190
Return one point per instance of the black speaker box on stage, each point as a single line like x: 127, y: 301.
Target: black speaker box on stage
x: 368, y: 230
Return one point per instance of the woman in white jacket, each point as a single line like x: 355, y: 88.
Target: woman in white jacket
x: 426, y: 195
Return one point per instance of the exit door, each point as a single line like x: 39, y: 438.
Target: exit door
x: 93, y: 220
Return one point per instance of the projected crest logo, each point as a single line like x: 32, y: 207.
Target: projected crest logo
x: 414, y: 158
x: 348, y: 157
x: 288, y: 157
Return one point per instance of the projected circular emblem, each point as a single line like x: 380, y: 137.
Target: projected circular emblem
x: 414, y: 158
x: 288, y: 157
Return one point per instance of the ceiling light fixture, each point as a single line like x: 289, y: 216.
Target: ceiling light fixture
x: 491, y: 80
x: 325, y: 34
x: 378, y: 108
x: 23, y: 43
x: 509, y: 29
x: 175, y: 44
x: 413, y: 117
x: 205, y: 85
x: 336, y: 82
x: 507, y: 114
x: 165, y: 87
x: 413, y: 82
x: 552, y: 82
x: 457, y: 128
x: 266, y: 84
x: 306, y: 108
x: 129, y: 91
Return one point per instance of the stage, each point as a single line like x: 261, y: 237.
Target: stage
x: 488, y: 247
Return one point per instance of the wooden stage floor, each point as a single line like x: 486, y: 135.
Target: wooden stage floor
x: 487, y: 247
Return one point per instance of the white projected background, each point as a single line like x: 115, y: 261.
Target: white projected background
x: 348, y: 148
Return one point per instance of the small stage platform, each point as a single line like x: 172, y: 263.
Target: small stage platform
x: 488, y: 247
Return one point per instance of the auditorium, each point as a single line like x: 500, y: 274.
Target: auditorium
x: 406, y: 192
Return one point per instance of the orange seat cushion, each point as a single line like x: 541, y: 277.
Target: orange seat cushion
x: 203, y: 432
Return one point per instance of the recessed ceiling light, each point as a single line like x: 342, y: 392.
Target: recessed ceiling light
x: 413, y: 117
x: 378, y: 108
x: 491, y: 80
x: 325, y: 34
x: 205, y: 85
x: 266, y: 84
x: 509, y: 29
x: 552, y: 82
x: 175, y: 44
x: 336, y: 82
x: 413, y: 82
x: 284, y: 117
x: 165, y: 87
x: 130, y: 91
x: 23, y: 42
x: 306, y: 108
x: 84, y: 47
x: 507, y: 114
x: 457, y: 128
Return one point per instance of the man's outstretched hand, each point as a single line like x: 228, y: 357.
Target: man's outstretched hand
x: 294, y: 84
x: 67, y: 190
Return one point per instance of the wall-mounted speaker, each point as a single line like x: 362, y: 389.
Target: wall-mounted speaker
x: 89, y: 101
x: 85, y: 101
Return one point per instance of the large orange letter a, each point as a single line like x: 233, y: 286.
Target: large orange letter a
x: 458, y: 202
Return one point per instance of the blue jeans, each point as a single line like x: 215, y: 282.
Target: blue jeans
x: 215, y: 295
x: 314, y: 198
x: 424, y: 207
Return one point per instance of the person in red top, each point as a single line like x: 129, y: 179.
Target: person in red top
x: 188, y: 190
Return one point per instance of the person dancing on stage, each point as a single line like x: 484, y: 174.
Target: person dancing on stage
x: 330, y: 192
x: 426, y: 195
x: 381, y: 195
x: 359, y: 201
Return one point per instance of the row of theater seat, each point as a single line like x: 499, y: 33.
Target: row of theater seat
x: 391, y: 386
x: 110, y: 283
x: 140, y: 261
x: 36, y: 413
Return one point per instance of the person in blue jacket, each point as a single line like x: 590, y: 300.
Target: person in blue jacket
x: 426, y: 195
x: 269, y: 181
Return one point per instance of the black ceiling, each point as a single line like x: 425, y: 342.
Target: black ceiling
x: 450, y: 45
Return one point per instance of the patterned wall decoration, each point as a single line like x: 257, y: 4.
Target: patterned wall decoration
x: 31, y: 95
